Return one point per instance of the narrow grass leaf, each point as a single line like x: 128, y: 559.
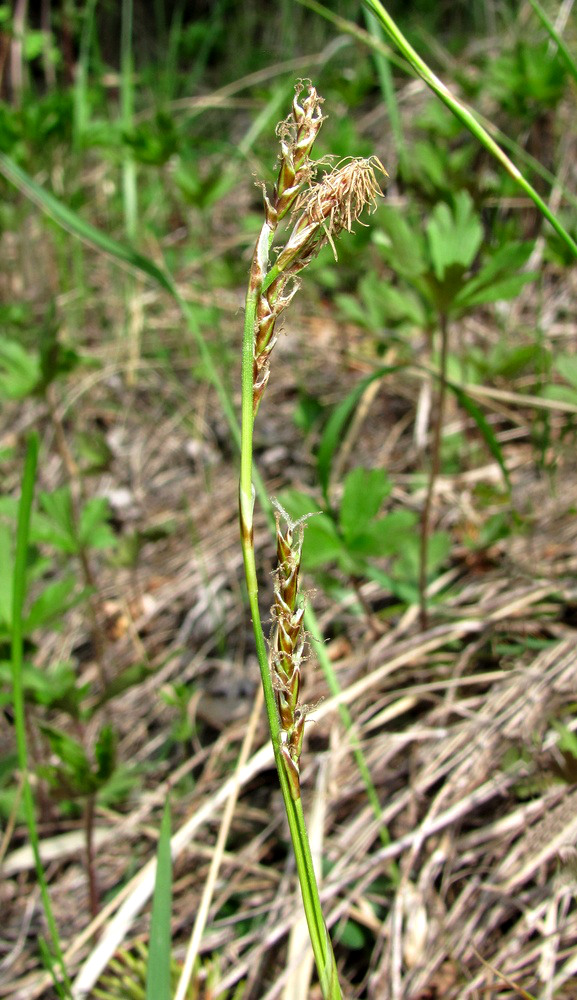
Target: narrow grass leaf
x: 337, y: 422
x: 74, y: 224
x: 483, y: 426
x: 158, y: 974
x: 564, y: 52
x: 466, y: 116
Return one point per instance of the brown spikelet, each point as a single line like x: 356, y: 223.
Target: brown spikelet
x: 320, y: 210
x: 297, y: 134
x: 288, y: 641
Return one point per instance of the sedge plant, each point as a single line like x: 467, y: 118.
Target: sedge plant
x: 318, y: 210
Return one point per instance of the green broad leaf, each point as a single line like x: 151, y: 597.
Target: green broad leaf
x: 93, y: 450
x: 68, y: 750
x: 407, y: 566
x: 56, y: 359
x: 55, y: 600
x: 322, y: 543
x: 501, y: 290
x: 502, y: 264
x: 158, y: 975
x: 567, y: 739
x: 363, y: 495
x: 560, y: 394
x: 454, y: 235
x: 353, y: 310
x: 483, y: 426
x: 55, y: 687
x: 509, y: 361
x: 385, y: 536
x: 353, y: 936
x: 401, y: 244
x: 94, y: 531
x: 566, y: 366
x: 380, y: 304
x: 404, y: 590
x: 401, y: 306
x: 57, y: 527
x: 298, y: 504
x: 19, y: 370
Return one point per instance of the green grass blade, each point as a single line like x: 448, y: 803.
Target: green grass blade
x: 159, y: 954
x: 81, y: 102
x: 123, y: 254
x: 18, y: 598
x: 564, y: 52
x: 74, y: 224
x: 466, y: 117
x: 387, y: 85
x: 483, y: 426
x: 129, y: 191
x: 350, y: 28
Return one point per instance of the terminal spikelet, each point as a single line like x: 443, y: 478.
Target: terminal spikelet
x: 320, y: 211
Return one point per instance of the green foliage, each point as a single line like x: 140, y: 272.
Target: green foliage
x: 126, y: 975
x: 25, y: 372
x: 437, y: 266
x: 58, y: 527
x: 526, y: 79
x: 566, y: 367
x: 75, y: 775
x: 53, y: 687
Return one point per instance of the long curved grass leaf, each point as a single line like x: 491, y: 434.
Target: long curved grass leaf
x: 466, y: 116
x: 77, y: 226
x: 564, y: 52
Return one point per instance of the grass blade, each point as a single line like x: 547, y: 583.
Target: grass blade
x: 159, y: 954
x: 483, y: 426
x: 339, y: 418
x: 466, y: 117
x: 77, y: 226
x: 564, y: 52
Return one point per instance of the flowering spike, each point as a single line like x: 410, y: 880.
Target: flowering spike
x: 288, y: 642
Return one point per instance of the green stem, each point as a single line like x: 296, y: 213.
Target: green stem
x: 320, y: 940
x: 466, y: 117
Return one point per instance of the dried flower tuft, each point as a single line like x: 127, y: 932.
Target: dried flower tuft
x: 328, y: 206
x: 320, y: 210
x: 341, y: 195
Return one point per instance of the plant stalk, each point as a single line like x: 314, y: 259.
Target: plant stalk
x: 433, y: 473
x: 320, y: 939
